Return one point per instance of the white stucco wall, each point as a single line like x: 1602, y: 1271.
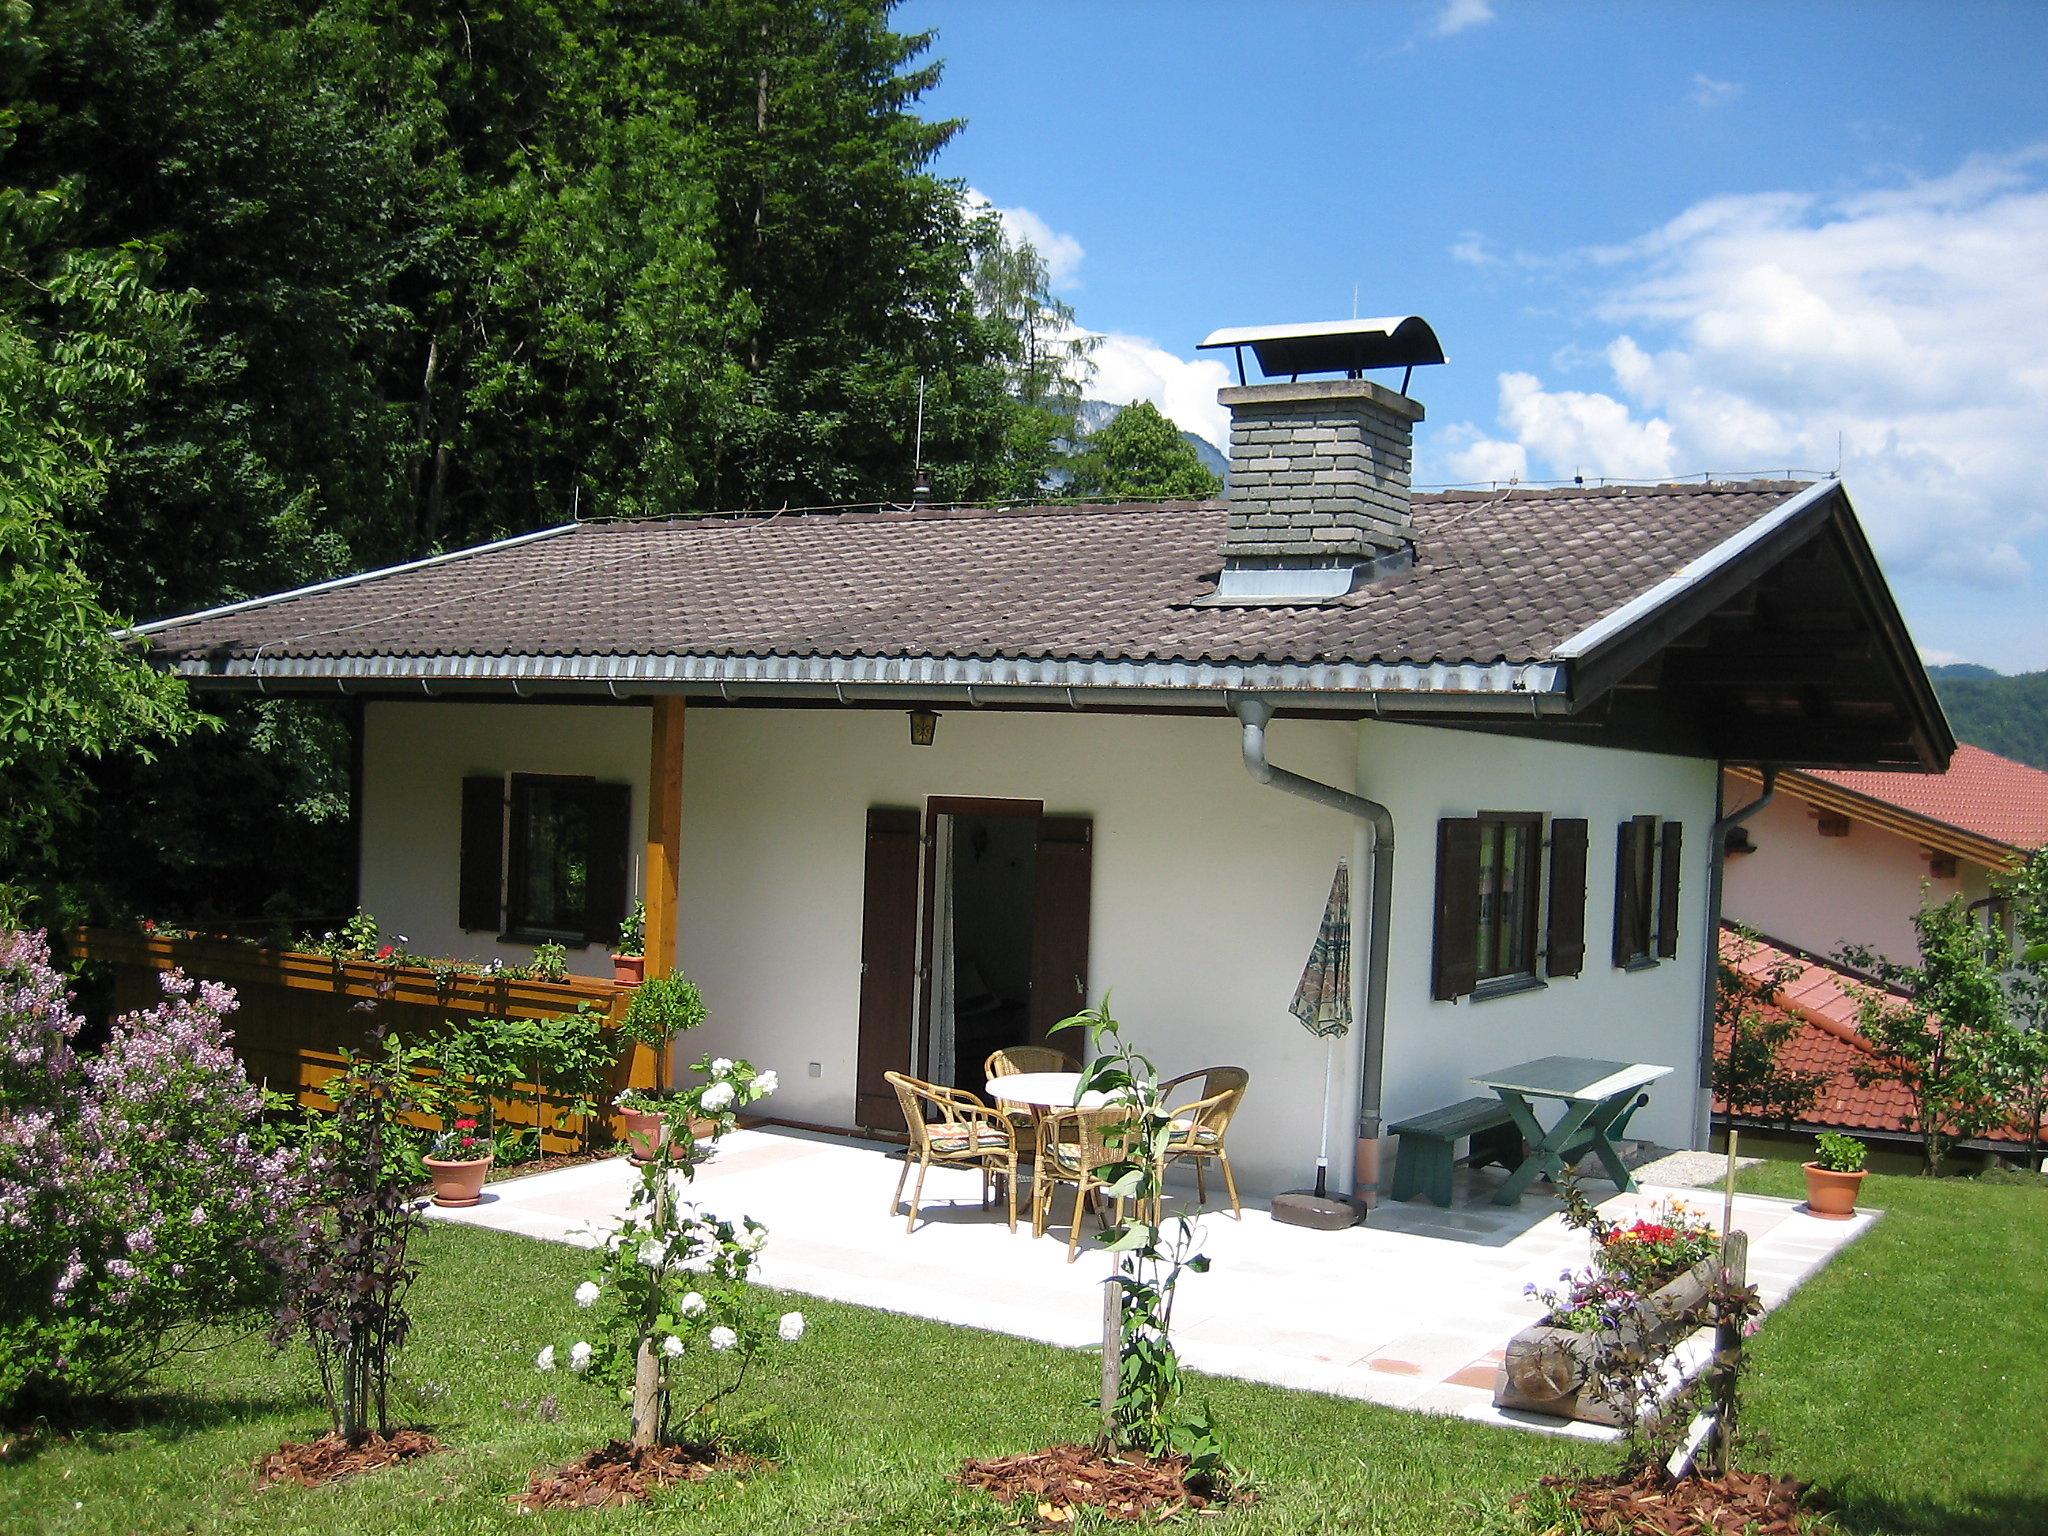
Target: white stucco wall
x: 415, y: 757
x: 1207, y: 887
x: 1648, y: 1015
x: 1817, y: 893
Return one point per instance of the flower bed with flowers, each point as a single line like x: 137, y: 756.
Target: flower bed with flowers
x: 134, y: 1184
x: 675, y: 1325
x: 1629, y: 1263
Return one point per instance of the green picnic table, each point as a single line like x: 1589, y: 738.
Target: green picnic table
x: 1596, y: 1094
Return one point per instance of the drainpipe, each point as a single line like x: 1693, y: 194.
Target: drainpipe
x: 1254, y: 713
x: 1717, y: 858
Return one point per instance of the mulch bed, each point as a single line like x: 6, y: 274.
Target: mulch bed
x: 1055, y: 1482
x: 618, y: 1475
x: 313, y: 1462
x: 1652, y: 1504
x: 548, y: 1164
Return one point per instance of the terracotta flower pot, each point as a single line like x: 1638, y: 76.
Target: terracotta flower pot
x: 643, y: 1133
x: 1832, y: 1194
x: 629, y: 970
x: 458, y: 1184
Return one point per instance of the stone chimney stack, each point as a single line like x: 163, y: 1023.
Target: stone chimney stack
x: 1319, y: 468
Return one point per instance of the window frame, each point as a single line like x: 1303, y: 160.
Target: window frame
x: 517, y: 852
x: 1647, y: 834
x: 1487, y: 978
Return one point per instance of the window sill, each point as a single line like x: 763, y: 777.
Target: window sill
x: 1641, y: 963
x: 1507, y: 986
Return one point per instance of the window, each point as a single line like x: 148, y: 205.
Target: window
x: 544, y: 858
x: 1646, y: 880
x: 1510, y: 850
x: 1489, y: 879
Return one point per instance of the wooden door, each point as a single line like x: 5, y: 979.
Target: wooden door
x: 888, y: 964
x: 1059, y: 956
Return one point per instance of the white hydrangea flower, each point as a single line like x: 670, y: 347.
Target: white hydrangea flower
x: 717, y: 1097
x: 672, y: 1346
x: 791, y: 1327
x: 545, y: 1361
x: 652, y: 1251
x: 765, y: 1084
x: 754, y: 1237
x: 579, y: 1357
x: 692, y: 1305
x: 723, y: 1338
x: 586, y: 1294
x: 721, y: 1065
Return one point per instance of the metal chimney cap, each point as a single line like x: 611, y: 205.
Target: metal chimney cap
x: 1332, y: 346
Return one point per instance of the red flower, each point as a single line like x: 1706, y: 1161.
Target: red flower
x: 386, y: 952
x: 465, y: 1125
x: 149, y: 925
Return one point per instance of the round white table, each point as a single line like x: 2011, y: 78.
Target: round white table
x: 1042, y: 1090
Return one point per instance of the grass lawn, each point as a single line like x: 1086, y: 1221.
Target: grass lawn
x: 1911, y: 1377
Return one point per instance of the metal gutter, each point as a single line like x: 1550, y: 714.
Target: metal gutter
x: 158, y: 626
x: 1690, y: 575
x: 1526, y: 689
x: 1254, y: 714
x: 1717, y: 859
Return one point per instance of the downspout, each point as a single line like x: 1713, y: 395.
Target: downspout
x: 1717, y: 858
x: 1254, y: 713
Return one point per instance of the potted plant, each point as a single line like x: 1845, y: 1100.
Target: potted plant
x: 629, y: 955
x: 647, y: 1111
x: 457, y: 1163
x: 1835, y: 1175
x: 662, y: 1008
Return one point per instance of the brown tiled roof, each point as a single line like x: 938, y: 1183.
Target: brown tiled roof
x: 1982, y: 792
x: 1498, y: 577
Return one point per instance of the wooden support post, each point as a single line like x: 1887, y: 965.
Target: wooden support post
x: 664, y: 846
x: 1112, y: 1353
x: 1724, y: 1372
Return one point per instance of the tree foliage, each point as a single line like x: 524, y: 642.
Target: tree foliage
x: 1139, y: 455
x: 2006, y: 715
x: 297, y: 287
x: 1748, y: 1076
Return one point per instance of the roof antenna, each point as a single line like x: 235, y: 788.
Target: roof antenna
x: 1838, y: 453
x: 1578, y: 477
x: 920, y: 489
x: 575, y: 500
x: 1354, y: 301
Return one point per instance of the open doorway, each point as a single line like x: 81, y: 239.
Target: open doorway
x: 985, y: 874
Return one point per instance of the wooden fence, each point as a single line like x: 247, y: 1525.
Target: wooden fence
x: 298, y: 1011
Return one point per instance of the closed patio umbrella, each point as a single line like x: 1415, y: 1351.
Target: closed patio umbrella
x: 1322, y: 1002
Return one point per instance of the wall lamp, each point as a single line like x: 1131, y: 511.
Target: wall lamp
x: 924, y: 724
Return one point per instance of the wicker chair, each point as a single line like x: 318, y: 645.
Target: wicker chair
x: 1072, y: 1144
x: 965, y: 1134
x: 1201, y: 1124
x: 1013, y: 1059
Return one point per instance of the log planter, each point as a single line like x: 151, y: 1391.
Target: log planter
x: 1551, y: 1370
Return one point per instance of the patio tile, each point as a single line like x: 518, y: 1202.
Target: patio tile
x: 1412, y: 1308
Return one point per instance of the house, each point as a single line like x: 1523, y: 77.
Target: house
x: 901, y: 782
x: 1846, y: 857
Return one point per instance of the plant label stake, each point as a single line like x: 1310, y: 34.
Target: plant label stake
x: 1112, y: 1353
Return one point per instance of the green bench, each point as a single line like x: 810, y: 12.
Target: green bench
x: 1426, y: 1157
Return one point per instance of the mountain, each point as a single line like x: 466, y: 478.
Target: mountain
x: 2006, y: 715
x: 1097, y: 414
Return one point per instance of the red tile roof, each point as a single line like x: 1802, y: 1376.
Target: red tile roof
x: 1827, y: 1041
x: 1983, y: 793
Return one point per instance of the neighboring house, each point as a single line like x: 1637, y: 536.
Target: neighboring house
x: 1846, y: 858
x: 1509, y: 710
x: 1821, y: 999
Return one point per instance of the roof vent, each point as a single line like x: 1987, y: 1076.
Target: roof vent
x: 1319, y: 496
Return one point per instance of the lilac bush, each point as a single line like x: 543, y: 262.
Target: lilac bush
x: 134, y: 1183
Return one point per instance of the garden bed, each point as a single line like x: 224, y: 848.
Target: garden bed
x: 616, y: 1475
x: 1549, y: 1369
x: 1652, y: 1504
x: 310, y: 1463
x: 1054, y: 1484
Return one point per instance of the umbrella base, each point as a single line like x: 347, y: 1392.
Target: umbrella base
x: 1322, y: 1212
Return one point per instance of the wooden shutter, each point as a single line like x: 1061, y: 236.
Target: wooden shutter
x: 1455, y: 970
x: 1667, y: 890
x: 1565, y: 953
x: 1059, y: 938
x: 609, y: 825
x: 482, y: 877
x: 888, y: 964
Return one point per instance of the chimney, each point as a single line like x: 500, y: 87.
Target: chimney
x: 1319, y: 496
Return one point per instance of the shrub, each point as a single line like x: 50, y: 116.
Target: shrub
x: 633, y: 932
x: 1840, y: 1154
x: 662, y: 1008
x: 134, y: 1184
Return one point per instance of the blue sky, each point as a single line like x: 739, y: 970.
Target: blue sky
x: 1656, y: 240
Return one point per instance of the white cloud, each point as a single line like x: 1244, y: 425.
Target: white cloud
x: 1061, y: 252
x: 1755, y: 333
x: 1472, y: 457
x: 1471, y: 249
x: 1129, y: 368
x: 1459, y: 15
x: 1709, y: 92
